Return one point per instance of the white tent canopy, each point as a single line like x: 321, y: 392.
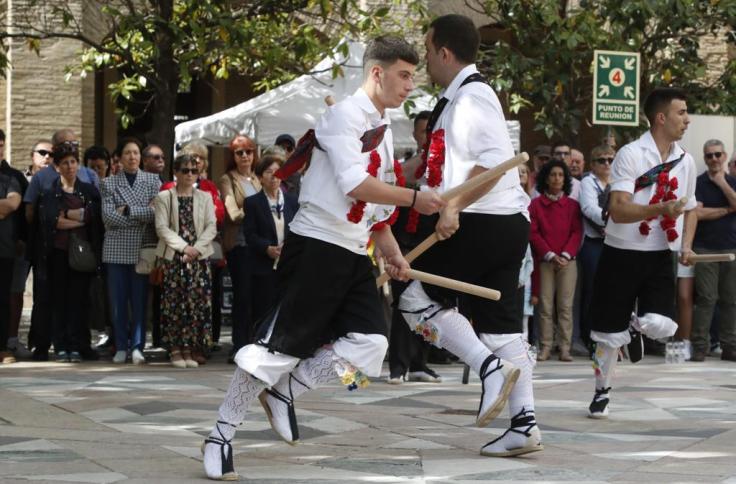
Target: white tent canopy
x: 295, y: 107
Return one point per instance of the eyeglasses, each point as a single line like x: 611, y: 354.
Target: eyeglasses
x: 187, y: 171
x: 604, y: 159
x: 715, y: 154
x: 44, y: 153
x: 156, y: 157
x: 562, y: 153
x: 243, y: 152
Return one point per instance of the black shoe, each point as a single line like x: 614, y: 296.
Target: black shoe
x: 635, y: 346
x: 599, y: 406
x: 40, y: 355
x: 89, y: 354
x: 698, y: 355
x: 75, y: 357
x: 62, y: 356
x: 728, y: 355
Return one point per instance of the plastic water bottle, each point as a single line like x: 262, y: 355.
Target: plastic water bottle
x: 680, y: 352
x: 669, y: 353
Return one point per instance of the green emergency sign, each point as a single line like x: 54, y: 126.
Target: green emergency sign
x: 616, y: 88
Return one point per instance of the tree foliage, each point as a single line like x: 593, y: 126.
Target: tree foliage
x: 159, y: 46
x: 541, y: 57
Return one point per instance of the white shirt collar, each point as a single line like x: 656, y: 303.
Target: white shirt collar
x: 451, y: 90
x: 365, y: 103
x: 648, y: 143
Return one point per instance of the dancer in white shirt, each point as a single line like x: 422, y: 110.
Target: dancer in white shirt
x: 328, y: 319
x: 483, y: 243
x: 645, y: 227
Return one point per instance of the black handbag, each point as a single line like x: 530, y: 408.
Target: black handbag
x: 81, y: 256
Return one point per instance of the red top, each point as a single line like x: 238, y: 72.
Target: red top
x: 556, y: 226
x: 206, y: 186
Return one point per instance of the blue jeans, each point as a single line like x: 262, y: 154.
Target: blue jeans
x: 126, y: 287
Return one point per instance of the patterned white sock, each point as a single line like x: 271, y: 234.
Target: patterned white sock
x: 279, y: 400
x: 243, y: 389
x: 604, y: 364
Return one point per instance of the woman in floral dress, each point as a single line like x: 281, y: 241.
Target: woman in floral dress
x: 185, y: 224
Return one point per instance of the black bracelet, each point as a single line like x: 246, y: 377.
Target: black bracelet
x: 414, y: 199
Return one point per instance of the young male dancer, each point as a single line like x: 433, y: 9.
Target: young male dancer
x: 648, y: 177
x: 485, y: 242
x: 329, y: 320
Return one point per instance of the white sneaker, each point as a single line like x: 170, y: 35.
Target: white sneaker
x: 137, y: 357
x: 424, y: 376
x: 120, y: 356
x: 395, y: 380
x: 498, y: 378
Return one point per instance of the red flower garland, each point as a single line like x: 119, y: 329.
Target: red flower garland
x: 664, y: 192
x: 433, y: 162
x: 400, y: 182
x: 357, y: 209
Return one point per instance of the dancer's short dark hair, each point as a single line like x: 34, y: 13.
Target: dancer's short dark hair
x: 422, y: 116
x: 458, y: 34
x: 659, y: 100
x: 387, y: 49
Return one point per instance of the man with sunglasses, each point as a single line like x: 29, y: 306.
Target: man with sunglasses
x: 715, y: 282
x: 154, y: 160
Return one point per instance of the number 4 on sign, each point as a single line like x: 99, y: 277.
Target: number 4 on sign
x: 616, y: 78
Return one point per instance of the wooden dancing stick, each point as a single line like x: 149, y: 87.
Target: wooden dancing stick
x: 695, y: 258
x: 681, y: 203
x: 455, y: 285
x: 468, y: 186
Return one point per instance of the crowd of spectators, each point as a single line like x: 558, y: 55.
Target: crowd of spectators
x: 103, y: 233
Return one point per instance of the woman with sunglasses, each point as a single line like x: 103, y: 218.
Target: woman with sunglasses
x: 593, y: 194
x: 235, y: 186
x: 70, y: 210
x: 185, y: 224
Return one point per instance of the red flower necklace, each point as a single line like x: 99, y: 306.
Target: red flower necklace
x: 433, y: 162
x: 400, y: 182
x: 664, y: 192
x: 357, y: 209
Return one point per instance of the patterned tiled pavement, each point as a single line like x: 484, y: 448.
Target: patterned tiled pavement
x: 100, y: 423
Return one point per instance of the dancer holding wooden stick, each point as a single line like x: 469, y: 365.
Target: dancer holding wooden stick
x: 652, y: 185
x: 483, y: 235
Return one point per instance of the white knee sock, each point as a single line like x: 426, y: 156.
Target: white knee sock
x: 242, y: 390
x: 604, y: 363
x: 516, y: 352
x: 457, y: 336
x: 310, y: 373
x: 444, y: 328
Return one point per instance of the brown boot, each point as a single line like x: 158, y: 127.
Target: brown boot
x: 565, y: 355
x: 544, y: 354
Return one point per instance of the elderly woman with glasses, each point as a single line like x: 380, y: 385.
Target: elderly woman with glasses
x: 235, y: 186
x: 69, y: 216
x: 555, y: 235
x: 185, y: 224
x: 593, y: 195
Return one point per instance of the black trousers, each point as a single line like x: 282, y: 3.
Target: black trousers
x: 263, y: 293
x: 6, y: 279
x: 69, y: 307
x: 487, y: 250
x: 242, y: 320
x: 407, y: 351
